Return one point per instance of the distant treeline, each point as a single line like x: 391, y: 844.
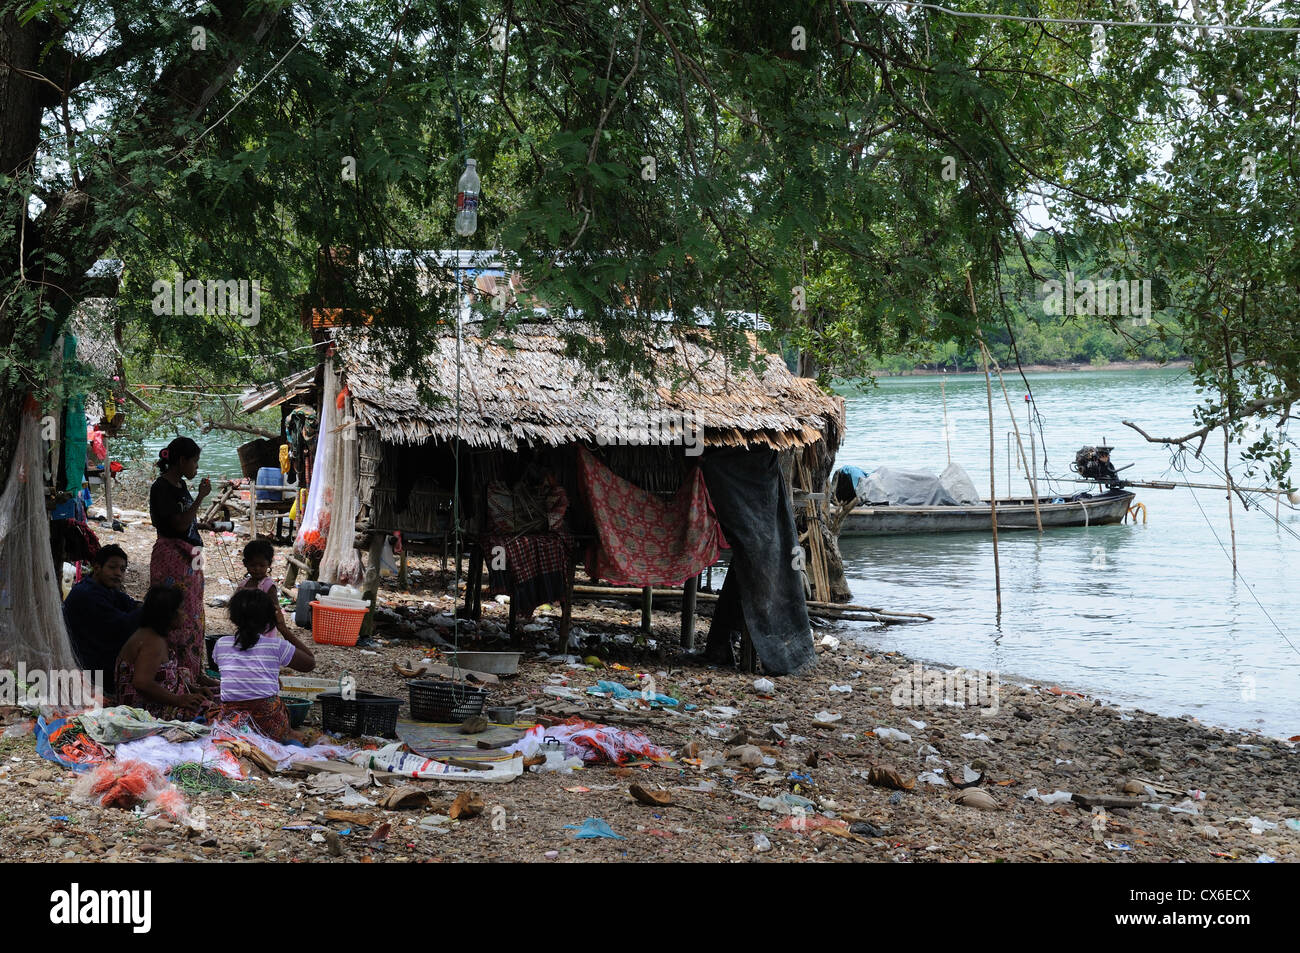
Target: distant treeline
x: 1081, y: 314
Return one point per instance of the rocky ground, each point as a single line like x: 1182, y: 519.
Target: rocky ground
x: 1153, y: 788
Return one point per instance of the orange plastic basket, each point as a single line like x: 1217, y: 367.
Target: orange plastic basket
x: 335, y: 625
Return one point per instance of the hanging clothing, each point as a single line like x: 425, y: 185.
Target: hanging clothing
x: 173, y: 564
x: 763, y: 591
x: 643, y: 540
x: 535, y: 570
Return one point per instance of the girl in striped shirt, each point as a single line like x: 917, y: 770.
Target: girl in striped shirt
x: 250, y: 663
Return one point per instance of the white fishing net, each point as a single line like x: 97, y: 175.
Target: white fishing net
x: 33, y: 639
x: 329, y: 523
x: 313, y: 528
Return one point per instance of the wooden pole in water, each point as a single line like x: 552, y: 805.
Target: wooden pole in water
x: 1232, y: 529
x: 993, y: 496
x: 1033, y: 483
x: 947, y: 439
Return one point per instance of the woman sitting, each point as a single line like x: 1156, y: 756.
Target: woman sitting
x: 147, y: 675
x: 250, y: 663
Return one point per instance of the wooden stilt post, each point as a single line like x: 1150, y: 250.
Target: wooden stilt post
x: 647, y: 604
x: 371, y: 591
x: 689, y: 591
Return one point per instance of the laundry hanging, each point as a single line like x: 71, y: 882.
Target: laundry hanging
x: 644, y: 540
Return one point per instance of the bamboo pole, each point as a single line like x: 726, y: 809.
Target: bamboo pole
x: 993, y: 496
x: 1033, y: 483
x: 1232, y: 528
x: 943, y: 392
x: 632, y: 592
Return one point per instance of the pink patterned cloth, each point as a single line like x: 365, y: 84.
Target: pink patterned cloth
x: 643, y: 540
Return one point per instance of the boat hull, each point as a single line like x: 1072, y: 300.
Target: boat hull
x: 1013, y: 514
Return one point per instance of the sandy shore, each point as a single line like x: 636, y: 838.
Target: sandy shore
x: 1041, y: 738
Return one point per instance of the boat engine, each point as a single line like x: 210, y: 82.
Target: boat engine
x: 1093, y: 463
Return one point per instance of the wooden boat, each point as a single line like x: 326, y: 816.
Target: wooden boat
x: 1097, y: 509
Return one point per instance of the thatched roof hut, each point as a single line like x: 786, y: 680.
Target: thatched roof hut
x: 528, y: 392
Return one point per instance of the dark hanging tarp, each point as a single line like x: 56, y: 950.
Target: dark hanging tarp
x: 763, y: 589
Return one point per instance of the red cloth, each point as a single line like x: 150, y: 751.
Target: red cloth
x: 645, y: 541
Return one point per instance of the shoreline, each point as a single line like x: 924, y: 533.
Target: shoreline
x: 1043, y: 369
x: 872, y: 794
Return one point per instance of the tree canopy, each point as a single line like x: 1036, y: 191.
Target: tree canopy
x: 839, y: 167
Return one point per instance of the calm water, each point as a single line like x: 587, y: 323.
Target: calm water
x: 1148, y: 616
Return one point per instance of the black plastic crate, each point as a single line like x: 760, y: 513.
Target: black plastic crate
x: 445, y: 701
x: 364, y: 714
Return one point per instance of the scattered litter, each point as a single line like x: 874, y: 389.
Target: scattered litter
x: 883, y: 776
x: 761, y: 844
x: 592, y: 828
x: 1111, y: 845
x: 826, y: 718
x: 830, y: 642
x: 1058, y: 797
x: 918, y: 725
x: 764, y: 686
x: 976, y: 798
x: 841, y: 689
x: 929, y: 777
x: 1259, y: 825
x: 1265, y: 859
x: 971, y: 736
x: 891, y: 734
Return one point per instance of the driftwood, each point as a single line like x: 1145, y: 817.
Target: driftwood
x: 836, y: 609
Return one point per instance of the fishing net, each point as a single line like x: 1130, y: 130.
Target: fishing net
x: 33, y: 638
x: 314, y: 526
x: 332, y: 502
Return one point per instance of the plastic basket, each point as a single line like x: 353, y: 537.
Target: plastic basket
x: 365, y: 714
x: 445, y: 701
x: 332, y: 625
x: 298, y: 709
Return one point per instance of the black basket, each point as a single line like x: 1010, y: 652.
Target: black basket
x: 365, y: 714
x: 445, y: 701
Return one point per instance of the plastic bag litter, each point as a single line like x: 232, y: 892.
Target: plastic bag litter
x: 592, y: 828
x: 764, y: 686
x: 1058, y: 797
x: 591, y: 742
x: 623, y: 693
x: 891, y: 734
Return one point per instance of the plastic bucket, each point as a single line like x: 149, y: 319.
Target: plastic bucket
x: 270, y: 476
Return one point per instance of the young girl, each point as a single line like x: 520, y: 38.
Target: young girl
x: 250, y: 663
x: 147, y: 674
x: 258, y: 555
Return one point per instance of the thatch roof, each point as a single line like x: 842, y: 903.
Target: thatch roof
x: 532, y: 394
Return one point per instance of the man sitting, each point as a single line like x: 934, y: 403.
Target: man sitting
x: 101, y: 616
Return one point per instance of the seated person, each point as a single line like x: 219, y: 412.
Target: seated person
x: 147, y: 676
x: 100, y: 616
x: 250, y: 663
x: 258, y: 555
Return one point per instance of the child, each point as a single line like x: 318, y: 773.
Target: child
x: 258, y: 555
x: 146, y: 674
x: 250, y: 663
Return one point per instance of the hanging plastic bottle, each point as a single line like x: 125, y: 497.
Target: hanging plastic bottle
x: 467, y: 200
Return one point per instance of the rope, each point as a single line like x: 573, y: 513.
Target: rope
x: 1241, y: 576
